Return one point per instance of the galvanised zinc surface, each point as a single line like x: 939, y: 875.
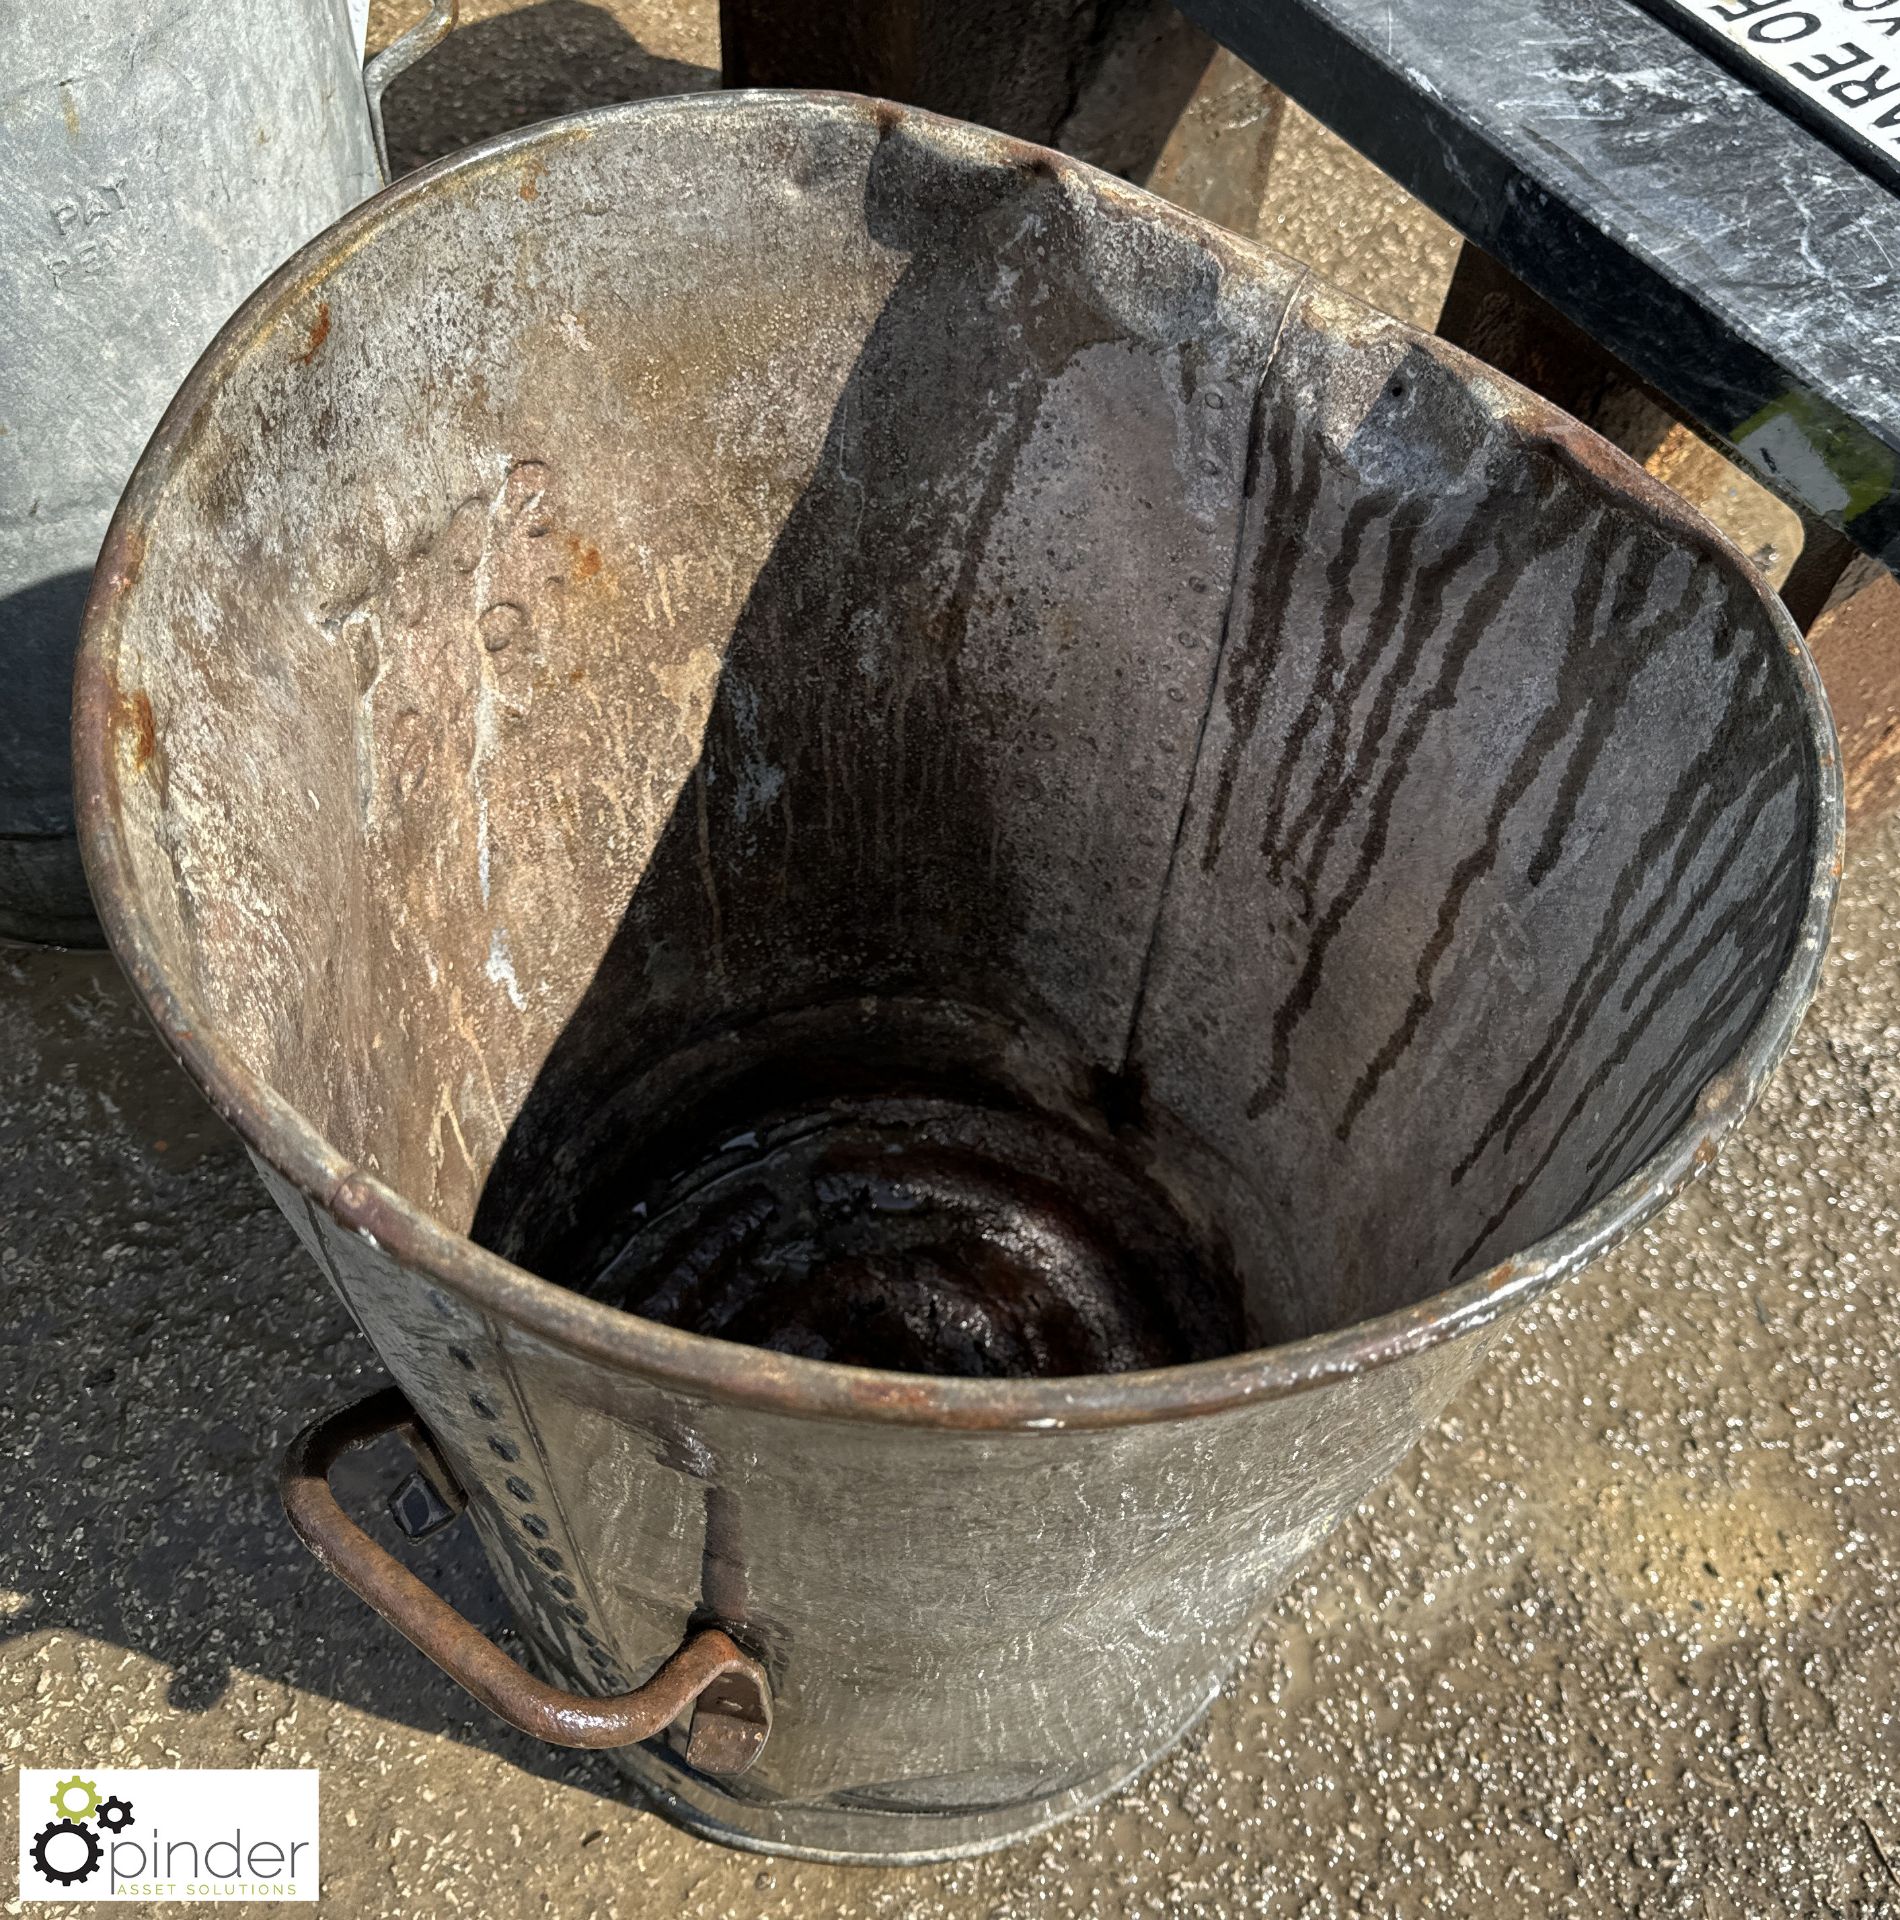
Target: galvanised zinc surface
x: 157, y: 160
x: 893, y: 568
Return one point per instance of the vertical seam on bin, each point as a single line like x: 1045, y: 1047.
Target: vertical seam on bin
x: 1242, y: 520
x: 326, y: 1265
x: 580, y: 1564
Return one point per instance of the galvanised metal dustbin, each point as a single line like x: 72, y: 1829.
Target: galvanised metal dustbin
x: 931, y: 887
x: 157, y: 159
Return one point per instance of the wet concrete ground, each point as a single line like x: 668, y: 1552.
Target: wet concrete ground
x: 1623, y: 1637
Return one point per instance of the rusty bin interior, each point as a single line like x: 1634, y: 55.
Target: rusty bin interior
x: 850, y: 736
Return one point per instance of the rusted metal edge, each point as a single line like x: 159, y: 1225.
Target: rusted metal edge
x: 733, y: 1716
x: 746, y: 1376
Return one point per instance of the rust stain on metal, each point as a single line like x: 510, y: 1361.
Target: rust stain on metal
x: 586, y: 558
x: 531, y: 178
x: 318, y: 334
x: 1722, y: 1091
x: 123, y: 560
x: 135, y: 727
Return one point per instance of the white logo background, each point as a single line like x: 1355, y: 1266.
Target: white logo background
x: 192, y: 1834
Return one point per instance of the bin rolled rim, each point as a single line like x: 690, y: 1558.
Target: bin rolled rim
x: 286, y: 1141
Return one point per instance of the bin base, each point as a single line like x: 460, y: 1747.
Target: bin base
x: 856, y: 1836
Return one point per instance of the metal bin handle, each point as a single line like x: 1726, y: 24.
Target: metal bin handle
x: 402, y: 53
x: 727, y: 1689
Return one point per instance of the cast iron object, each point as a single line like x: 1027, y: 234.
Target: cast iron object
x: 159, y: 158
x: 812, y: 720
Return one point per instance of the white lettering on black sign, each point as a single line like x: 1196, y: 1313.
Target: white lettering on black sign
x: 1842, y: 56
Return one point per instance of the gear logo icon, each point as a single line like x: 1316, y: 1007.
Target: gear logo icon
x: 50, y: 1835
x: 66, y: 1851
x: 63, y: 1796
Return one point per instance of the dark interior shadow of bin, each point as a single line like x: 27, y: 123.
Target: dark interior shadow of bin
x: 843, y: 734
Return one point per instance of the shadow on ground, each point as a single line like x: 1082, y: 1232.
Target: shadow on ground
x: 559, y: 56
x: 170, y: 1336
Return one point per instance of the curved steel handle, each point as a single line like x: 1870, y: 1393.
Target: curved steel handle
x: 731, y: 1700
x: 402, y: 53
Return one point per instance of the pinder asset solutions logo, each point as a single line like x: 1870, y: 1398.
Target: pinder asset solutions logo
x: 179, y: 1834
